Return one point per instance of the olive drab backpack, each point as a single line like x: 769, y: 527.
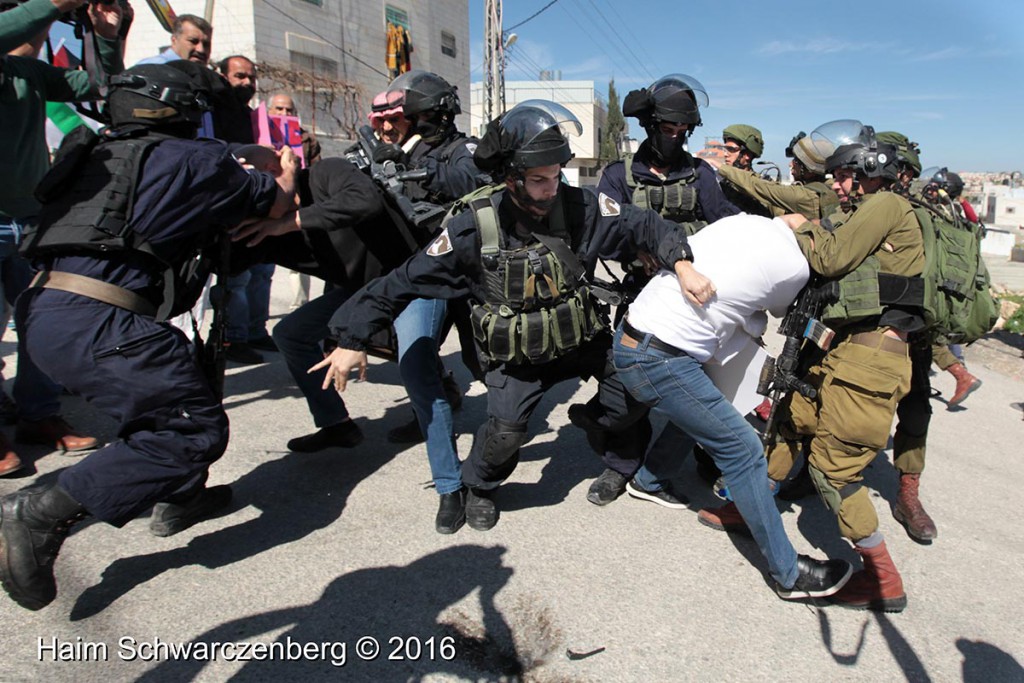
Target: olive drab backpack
x: 538, y: 304
x: 958, y: 306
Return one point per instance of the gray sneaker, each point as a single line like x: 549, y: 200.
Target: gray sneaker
x: 606, y: 488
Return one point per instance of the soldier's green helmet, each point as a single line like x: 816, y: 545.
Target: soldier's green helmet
x: 748, y: 136
x: 907, y: 152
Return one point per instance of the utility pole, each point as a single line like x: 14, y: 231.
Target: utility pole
x: 494, y: 62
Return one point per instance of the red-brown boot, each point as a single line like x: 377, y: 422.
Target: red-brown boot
x: 9, y: 460
x: 910, y: 513
x: 724, y: 518
x: 965, y: 383
x: 876, y: 587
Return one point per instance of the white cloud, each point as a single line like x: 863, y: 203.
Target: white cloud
x: 820, y: 46
x: 951, y: 52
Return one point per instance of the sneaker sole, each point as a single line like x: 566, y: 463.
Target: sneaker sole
x: 643, y: 495
x: 792, y: 594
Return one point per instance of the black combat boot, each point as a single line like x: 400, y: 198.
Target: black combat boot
x: 33, y: 525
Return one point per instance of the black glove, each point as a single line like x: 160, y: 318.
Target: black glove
x: 389, y: 153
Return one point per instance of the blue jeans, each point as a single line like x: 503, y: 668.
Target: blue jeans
x: 36, y: 394
x: 678, y: 387
x: 248, y: 306
x: 418, y: 329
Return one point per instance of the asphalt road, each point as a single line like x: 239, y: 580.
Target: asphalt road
x: 323, y: 555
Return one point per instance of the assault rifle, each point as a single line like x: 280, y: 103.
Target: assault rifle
x: 780, y: 376
x: 391, y: 178
x: 212, y: 358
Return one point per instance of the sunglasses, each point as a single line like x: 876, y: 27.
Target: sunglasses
x: 732, y: 149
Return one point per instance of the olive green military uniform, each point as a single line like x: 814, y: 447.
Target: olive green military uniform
x: 865, y: 373
x: 814, y: 200
x: 742, y: 199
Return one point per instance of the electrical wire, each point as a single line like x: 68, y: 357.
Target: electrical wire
x: 529, y: 18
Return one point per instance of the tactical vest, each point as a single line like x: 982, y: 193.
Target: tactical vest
x: 676, y: 201
x: 416, y: 191
x: 866, y: 292
x: 87, y: 200
x: 537, y: 303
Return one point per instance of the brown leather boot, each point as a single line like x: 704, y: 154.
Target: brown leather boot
x: 877, y: 587
x: 724, y: 518
x: 9, y: 460
x: 965, y: 383
x: 910, y: 513
x: 54, y: 432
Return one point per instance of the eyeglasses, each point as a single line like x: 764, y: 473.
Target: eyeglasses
x: 732, y: 149
x: 282, y: 110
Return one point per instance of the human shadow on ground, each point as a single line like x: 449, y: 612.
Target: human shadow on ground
x: 296, y: 494
x: 902, y: 651
x: 400, y: 608
x: 984, y: 662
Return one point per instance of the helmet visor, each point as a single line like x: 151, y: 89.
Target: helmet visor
x: 530, y: 118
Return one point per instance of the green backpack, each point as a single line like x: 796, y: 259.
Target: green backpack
x: 958, y: 306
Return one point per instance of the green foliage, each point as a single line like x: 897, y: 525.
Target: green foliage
x: 615, y: 124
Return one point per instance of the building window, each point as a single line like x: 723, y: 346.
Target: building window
x: 1011, y: 209
x: 318, y: 66
x: 396, y: 17
x: 447, y: 44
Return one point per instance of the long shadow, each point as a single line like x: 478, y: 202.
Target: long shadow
x: 296, y: 494
x: 570, y: 461
x: 400, y: 608
x: 984, y: 662
x: 907, y: 659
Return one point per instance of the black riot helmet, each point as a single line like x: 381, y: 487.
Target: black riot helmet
x: 856, y: 147
x: 941, y: 178
x: 675, y: 99
x: 171, y: 96
x: 430, y: 102
x: 532, y: 134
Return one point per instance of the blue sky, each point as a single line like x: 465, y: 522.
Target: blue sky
x: 948, y: 74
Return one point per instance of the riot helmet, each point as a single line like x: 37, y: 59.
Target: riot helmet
x: 855, y: 147
x: 673, y: 99
x: 429, y: 101
x: 941, y: 178
x: 532, y: 134
x: 171, y: 96
x: 748, y: 136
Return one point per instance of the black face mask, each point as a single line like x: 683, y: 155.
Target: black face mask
x: 244, y: 93
x: 666, y: 149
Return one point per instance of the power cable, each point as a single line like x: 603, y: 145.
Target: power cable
x: 529, y: 18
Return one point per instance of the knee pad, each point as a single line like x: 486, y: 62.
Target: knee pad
x: 832, y: 497
x: 503, y: 440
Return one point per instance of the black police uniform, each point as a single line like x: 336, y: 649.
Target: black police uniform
x: 711, y: 202
x: 451, y: 267
x: 452, y: 171
x: 141, y: 372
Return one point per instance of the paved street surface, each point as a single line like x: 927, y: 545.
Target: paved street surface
x: 322, y: 552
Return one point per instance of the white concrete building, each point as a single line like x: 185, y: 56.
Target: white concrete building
x: 331, y: 56
x: 1003, y: 206
x: 579, y: 97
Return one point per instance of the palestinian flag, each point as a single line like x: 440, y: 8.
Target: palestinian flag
x: 61, y: 118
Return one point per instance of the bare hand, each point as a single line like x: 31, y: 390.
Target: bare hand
x: 289, y: 160
x: 340, y: 363
x: 696, y: 288
x: 67, y: 5
x: 106, y: 19
x: 714, y: 163
x: 258, y: 231
x: 794, y: 220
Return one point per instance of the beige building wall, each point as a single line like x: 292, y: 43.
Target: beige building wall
x: 344, y: 42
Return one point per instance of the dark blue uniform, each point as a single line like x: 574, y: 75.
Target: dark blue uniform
x: 451, y: 268
x: 711, y: 201
x: 140, y: 372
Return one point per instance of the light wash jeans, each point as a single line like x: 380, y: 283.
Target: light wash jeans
x: 678, y: 387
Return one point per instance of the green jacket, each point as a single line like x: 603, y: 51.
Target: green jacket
x: 781, y: 199
x: 27, y: 84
